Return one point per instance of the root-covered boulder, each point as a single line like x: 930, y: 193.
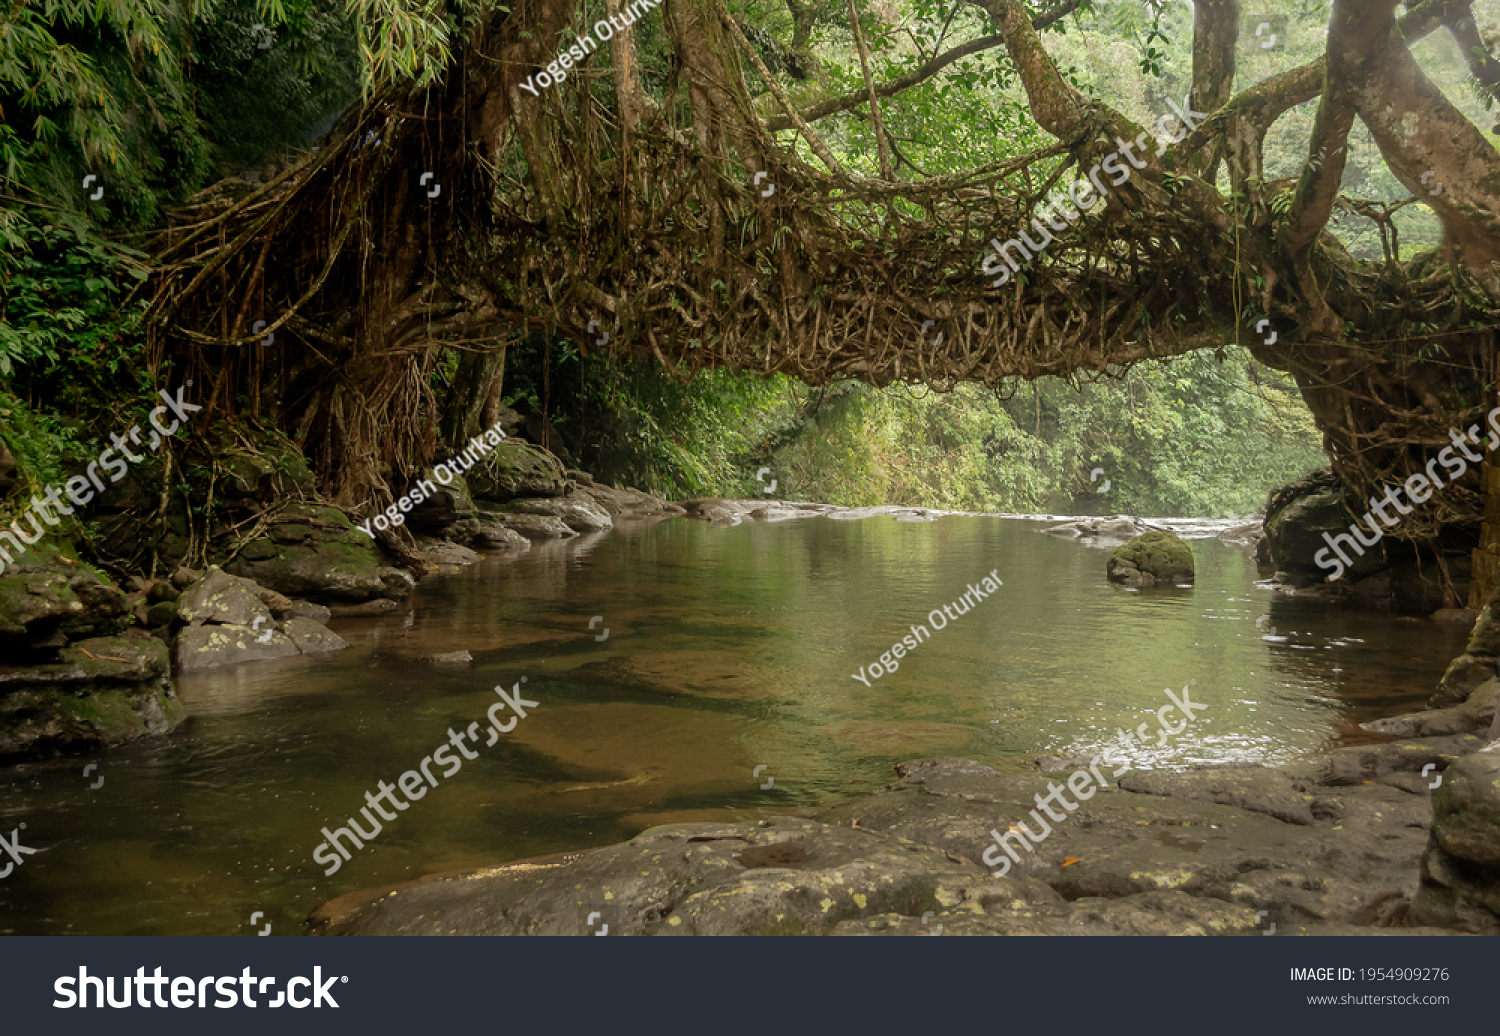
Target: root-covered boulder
x: 515, y: 470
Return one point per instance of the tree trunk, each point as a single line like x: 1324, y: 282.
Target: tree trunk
x: 1484, y: 580
x: 492, y: 401
x: 475, y: 391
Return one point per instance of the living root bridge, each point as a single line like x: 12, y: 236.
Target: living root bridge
x: 603, y: 201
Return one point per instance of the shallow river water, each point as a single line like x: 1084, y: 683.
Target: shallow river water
x: 728, y: 649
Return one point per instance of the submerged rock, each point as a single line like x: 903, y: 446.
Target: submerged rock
x: 1152, y: 558
x: 312, y: 638
x: 479, y: 532
x: 366, y: 610
x: 447, y: 658
x: 533, y: 526
x: 711, y: 509
x: 625, y: 502
x: 1100, y: 531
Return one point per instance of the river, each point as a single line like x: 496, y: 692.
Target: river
x: 728, y: 650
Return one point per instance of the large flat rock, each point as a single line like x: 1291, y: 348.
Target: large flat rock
x: 1171, y: 858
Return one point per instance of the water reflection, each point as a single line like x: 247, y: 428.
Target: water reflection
x: 729, y: 649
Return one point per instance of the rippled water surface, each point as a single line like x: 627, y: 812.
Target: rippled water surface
x: 727, y: 649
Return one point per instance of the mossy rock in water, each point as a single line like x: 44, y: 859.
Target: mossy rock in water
x: 48, y: 597
x: 319, y: 554
x: 1460, y: 885
x: 103, y: 692
x: 1152, y: 558
x: 517, y: 470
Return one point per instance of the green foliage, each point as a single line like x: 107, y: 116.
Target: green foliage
x: 269, y: 80
x: 45, y: 445
x: 407, y: 40
x: 98, y: 90
x: 60, y: 285
x: 1192, y: 436
x: 626, y: 420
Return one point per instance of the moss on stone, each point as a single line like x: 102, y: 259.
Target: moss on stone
x: 1163, y: 556
x: 85, y: 702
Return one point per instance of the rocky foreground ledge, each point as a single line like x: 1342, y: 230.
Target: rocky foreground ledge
x: 1349, y: 849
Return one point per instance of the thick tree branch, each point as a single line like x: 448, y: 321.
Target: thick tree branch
x: 1057, y: 107
x: 804, y: 18
x: 1482, y: 64
x: 1352, y: 34
x: 814, y: 141
x: 1437, y: 153
x: 1258, y: 107
x: 926, y: 71
x: 1216, y: 29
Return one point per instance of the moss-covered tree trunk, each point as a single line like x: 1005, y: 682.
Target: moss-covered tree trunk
x: 474, y: 396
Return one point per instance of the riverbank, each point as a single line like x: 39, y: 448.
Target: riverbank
x: 1338, y: 843
x: 1212, y: 852
x: 1223, y: 851
x: 717, y: 649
